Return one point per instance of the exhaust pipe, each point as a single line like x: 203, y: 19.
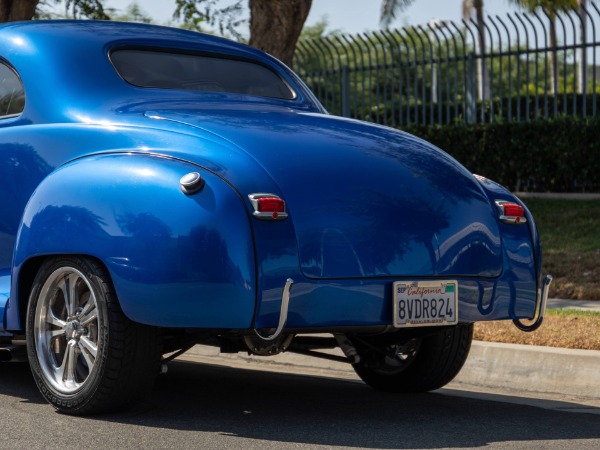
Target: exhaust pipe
x: 5, y: 355
x: 13, y: 353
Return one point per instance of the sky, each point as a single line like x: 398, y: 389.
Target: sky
x: 348, y: 16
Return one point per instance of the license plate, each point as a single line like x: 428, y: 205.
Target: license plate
x: 425, y: 303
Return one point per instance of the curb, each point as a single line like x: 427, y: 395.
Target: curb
x: 533, y: 369
x: 559, y: 195
x: 584, y: 305
x: 507, y: 367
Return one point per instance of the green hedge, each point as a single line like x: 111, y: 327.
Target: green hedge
x: 559, y: 155
x: 521, y: 108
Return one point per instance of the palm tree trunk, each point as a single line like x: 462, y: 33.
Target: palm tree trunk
x: 582, y: 72
x: 553, y: 57
x: 482, y: 71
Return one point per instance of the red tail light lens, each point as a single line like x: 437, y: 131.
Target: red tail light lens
x: 511, y: 212
x: 271, y: 204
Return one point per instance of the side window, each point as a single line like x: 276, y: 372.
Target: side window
x: 12, y: 93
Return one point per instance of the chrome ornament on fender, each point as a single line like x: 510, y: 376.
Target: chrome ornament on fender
x: 191, y: 183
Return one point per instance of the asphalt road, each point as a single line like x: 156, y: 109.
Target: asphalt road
x: 212, y: 407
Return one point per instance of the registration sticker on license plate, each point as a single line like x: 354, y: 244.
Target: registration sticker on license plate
x: 425, y: 303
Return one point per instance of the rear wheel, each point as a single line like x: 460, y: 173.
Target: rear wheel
x: 85, y: 355
x: 397, y: 364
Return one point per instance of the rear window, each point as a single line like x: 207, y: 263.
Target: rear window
x: 12, y: 94
x: 160, y: 69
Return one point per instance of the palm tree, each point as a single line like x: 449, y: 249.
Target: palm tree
x: 133, y: 13
x: 389, y: 9
x: 468, y: 6
x: 549, y: 7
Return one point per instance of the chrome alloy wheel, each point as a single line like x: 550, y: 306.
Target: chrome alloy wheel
x: 66, y: 328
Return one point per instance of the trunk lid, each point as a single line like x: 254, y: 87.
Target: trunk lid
x: 365, y: 200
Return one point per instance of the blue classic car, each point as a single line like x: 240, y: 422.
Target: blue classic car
x: 162, y: 188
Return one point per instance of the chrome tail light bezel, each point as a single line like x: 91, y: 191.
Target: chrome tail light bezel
x: 510, y: 219
x: 267, y: 215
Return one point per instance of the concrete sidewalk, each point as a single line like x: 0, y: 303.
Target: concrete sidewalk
x: 584, y: 305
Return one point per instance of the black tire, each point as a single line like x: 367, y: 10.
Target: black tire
x: 85, y: 355
x: 420, y: 364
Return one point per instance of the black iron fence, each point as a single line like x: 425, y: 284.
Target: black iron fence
x: 521, y: 67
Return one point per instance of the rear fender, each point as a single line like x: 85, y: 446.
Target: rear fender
x: 495, y: 191
x: 176, y: 260
x: 522, y: 253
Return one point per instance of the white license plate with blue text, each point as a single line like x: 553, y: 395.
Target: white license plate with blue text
x: 425, y: 303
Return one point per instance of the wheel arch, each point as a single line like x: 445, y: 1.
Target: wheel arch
x: 27, y: 274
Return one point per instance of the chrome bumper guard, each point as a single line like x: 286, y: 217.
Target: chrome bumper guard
x: 540, y: 307
x: 283, y: 314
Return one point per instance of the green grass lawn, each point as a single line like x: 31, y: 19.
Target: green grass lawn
x: 570, y: 236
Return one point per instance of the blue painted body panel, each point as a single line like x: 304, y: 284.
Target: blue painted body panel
x: 92, y: 166
x: 348, y: 212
